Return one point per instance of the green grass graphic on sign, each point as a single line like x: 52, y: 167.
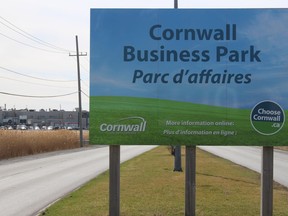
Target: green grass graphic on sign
x: 171, y: 123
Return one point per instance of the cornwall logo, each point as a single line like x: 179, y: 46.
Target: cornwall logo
x: 130, y: 124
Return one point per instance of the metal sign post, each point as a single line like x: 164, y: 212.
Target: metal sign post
x: 114, y: 180
x: 267, y: 181
x: 177, y: 159
x: 190, y: 181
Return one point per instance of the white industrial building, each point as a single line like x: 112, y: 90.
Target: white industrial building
x: 56, y: 118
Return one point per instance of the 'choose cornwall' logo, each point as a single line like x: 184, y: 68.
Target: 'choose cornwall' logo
x: 130, y: 124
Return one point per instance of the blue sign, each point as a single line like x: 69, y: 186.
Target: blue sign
x: 188, y: 77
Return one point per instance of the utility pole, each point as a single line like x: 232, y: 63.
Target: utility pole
x: 79, y: 91
x: 175, y: 4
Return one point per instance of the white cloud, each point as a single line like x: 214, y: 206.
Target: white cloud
x: 269, y: 28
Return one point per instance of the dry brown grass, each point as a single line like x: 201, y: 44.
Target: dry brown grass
x: 14, y: 143
x: 283, y: 148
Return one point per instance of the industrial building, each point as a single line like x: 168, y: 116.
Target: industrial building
x: 43, y: 118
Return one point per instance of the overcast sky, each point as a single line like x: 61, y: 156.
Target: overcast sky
x: 37, y: 36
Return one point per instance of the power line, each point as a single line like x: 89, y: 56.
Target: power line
x: 81, y: 65
x: 25, y: 44
x: 37, y: 96
x: 84, y: 68
x: 30, y: 36
x: 85, y: 90
x: 33, y: 83
x: 83, y: 81
x: 33, y: 77
x: 85, y: 94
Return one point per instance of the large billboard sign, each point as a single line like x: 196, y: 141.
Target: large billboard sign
x: 189, y: 77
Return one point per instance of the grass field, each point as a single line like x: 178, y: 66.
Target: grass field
x: 237, y: 129
x: 14, y: 143
x: 149, y: 187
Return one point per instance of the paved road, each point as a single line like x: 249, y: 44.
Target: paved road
x: 251, y: 157
x: 29, y: 184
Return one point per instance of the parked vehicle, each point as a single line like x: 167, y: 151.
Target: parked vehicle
x: 36, y: 128
x: 50, y: 128
x: 21, y: 127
